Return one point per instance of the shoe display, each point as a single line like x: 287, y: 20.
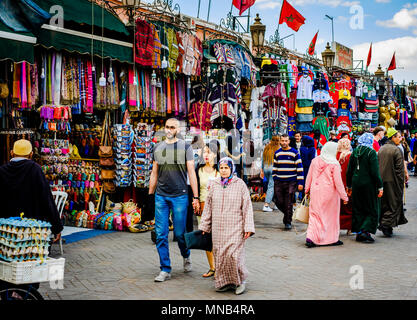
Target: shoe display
x: 163, y: 276
x: 187, y: 264
x: 267, y: 209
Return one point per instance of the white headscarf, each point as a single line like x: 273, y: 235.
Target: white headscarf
x: 328, y: 153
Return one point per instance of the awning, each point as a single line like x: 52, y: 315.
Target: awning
x: 80, y: 42
x: 17, y: 46
x: 80, y: 11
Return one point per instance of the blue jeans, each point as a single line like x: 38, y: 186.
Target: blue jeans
x: 178, y: 206
x: 270, y: 190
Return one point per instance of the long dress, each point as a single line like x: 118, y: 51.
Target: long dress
x: 364, y: 179
x: 228, y: 214
x: 391, y: 164
x: 345, y: 209
x: 324, y: 182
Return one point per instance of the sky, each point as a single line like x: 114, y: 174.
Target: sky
x: 391, y: 25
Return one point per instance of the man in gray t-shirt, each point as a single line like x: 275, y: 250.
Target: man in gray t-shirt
x: 172, y: 160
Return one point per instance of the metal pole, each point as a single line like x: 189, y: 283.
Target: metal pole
x: 209, y: 9
x: 332, y: 30
x: 198, y: 12
x: 247, y: 28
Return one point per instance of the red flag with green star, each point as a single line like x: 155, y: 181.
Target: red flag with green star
x: 291, y: 16
x: 312, y: 46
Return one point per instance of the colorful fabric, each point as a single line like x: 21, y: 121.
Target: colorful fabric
x: 144, y: 43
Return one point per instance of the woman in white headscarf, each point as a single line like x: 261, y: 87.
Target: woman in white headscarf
x: 325, y: 187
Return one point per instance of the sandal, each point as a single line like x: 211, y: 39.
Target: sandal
x: 209, y: 274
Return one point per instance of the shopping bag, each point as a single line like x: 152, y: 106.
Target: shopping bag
x: 301, y: 212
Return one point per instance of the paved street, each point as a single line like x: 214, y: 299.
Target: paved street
x: 122, y: 265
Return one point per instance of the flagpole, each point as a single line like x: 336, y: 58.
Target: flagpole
x: 280, y: 13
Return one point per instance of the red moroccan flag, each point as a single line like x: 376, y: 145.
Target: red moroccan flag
x: 312, y: 46
x: 243, y: 5
x: 291, y: 16
x: 393, y: 64
x: 369, y: 56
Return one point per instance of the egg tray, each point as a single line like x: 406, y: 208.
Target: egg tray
x: 30, y: 253
x: 21, y: 244
x: 23, y: 258
x: 20, y: 237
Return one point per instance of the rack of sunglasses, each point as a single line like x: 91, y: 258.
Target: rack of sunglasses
x: 24, y: 239
x: 123, y: 136
x: 142, y: 155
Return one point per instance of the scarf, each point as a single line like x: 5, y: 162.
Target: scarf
x: 226, y: 181
x: 344, y: 149
x: 328, y: 153
x: 366, y: 140
x: 90, y: 84
x: 132, y: 89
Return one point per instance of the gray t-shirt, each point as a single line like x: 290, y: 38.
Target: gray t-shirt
x: 172, y: 167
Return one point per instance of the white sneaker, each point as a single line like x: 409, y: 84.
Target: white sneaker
x: 187, y: 264
x: 267, y: 209
x: 241, y: 289
x: 275, y: 207
x: 163, y: 276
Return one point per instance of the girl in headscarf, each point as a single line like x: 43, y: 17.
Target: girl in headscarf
x: 325, y: 187
x: 364, y: 186
x: 343, y: 156
x: 228, y: 216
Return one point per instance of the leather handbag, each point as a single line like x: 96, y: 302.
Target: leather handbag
x: 109, y: 187
x: 107, y: 174
x: 105, y: 152
x: 301, y: 213
x: 105, y: 149
x: 196, y: 240
x: 106, y: 162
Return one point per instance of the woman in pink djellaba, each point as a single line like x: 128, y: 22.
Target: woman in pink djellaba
x: 325, y: 187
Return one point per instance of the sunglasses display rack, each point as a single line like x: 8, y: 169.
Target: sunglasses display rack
x: 142, y: 155
x: 24, y: 239
x: 123, y: 136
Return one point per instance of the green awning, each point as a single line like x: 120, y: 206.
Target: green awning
x: 74, y: 41
x: 17, y: 46
x: 80, y: 11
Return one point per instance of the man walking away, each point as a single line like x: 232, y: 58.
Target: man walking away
x: 287, y: 173
x: 391, y: 164
x: 173, y: 159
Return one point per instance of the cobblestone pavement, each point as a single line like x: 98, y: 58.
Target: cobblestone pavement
x: 122, y: 265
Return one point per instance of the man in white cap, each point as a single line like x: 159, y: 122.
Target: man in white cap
x: 24, y: 188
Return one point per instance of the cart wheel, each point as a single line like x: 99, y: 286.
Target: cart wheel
x: 20, y: 294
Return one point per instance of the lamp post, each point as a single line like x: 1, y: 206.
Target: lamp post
x: 379, y: 73
x: 257, y: 31
x: 412, y: 89
x: 328, y: 57
x: 331, y: 18
x: 130, y: 7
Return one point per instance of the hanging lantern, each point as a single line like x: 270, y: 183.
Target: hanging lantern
x: 43, y: 73
x: 110, y: 79
x: 102, y: 80
x: 135, y: 82
x: 159, y: 83
x: 153, y: 79
x: 189, y: 83
x: 164, y: 63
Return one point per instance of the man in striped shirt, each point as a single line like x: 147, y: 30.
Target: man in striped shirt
x: 288, y: 174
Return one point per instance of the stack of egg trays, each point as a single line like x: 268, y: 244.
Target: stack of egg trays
x: 24, y: 239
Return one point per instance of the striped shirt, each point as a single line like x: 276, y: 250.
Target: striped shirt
x: 288, y: 166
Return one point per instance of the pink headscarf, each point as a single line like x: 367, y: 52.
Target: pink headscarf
x: 344, y: 146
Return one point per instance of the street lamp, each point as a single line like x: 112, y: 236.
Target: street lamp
x: 257, y: 31
x: 331, y: 18
x: 412, y: 89
x: 379, y: 73
x: 130, y: 7
x: 328, y: 57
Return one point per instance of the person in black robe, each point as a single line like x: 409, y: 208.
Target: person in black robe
x: 24, y: 188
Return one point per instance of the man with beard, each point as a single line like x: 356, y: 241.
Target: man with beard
x: 173, y: 160
x: 391, y: 164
